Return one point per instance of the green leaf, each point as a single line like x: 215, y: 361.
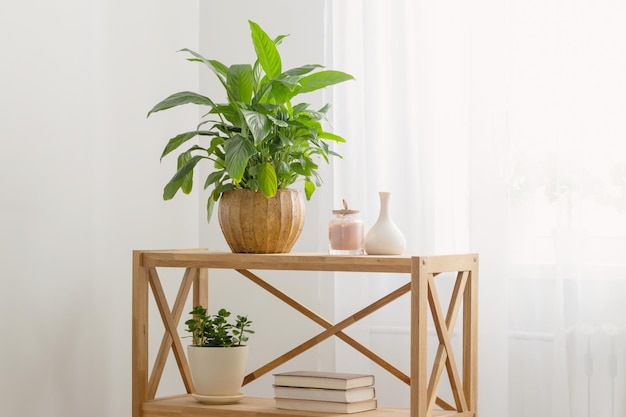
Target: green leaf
x: 280, y: 93
x: 323, y: 79
x: 262, y: 88
x: 225, y: 110
x: 279, y: 39
x: 307, y: 162
x: 213, y: 198
x: 266, y: 51
x: 305, y: 69
x: 268, y: 182
x: 172, y: 187
x: 178, y: 140
x: 177, y: 180
x: 226, y: 128
x: 330, y: 136
x: 300, y: 107
x: 309, y: 188
x: 207, y: 133
x: 258, y: 123
x: 288, y: 81
x: 227, y: 187
x: 299, y: 169
x: 278, y: 122
x: 216, y: 142
x: 282, y: 168
x: 252, y: 184
x: 324, y: 151
x: 180, y: 98
x: 187, y: 184
x: 238, y: 152
x: 240, y: 82
x: 213, y: 177
x: 210, y: 203
x: 324, y: 109
x: 217, y: 67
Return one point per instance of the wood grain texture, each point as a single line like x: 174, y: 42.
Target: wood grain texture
x: 470, y: 338
x: 288, y: 261
x: 441, y: 354
x: 140, y: 334
x: 330, y: 331
x: 424, y: 386
x: 445, y: 343
x: 186, y: 406
x: 325, y: 324
x: 253, y: 223
x: 167, y: 340
x: 419, y: 335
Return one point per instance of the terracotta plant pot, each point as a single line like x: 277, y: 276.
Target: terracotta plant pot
x: 253, y: 223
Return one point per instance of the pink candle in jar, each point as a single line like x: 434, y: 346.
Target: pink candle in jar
x: 345, y: 232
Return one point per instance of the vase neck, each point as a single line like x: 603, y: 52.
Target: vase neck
x: 384, y: 204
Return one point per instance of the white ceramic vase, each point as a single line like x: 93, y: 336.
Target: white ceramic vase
x: 384, y: 238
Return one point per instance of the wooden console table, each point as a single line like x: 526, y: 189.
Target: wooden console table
x: 424, y: 385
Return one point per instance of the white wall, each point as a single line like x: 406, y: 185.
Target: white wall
x: 81, y: 187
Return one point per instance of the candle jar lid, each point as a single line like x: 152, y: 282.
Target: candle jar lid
x: 346, y: 211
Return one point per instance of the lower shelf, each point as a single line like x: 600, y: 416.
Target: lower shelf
x: 185, y: 405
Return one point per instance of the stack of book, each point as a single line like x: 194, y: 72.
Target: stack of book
x: 331, y: 392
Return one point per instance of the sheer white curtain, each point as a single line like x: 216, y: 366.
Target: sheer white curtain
x: 499, y: 128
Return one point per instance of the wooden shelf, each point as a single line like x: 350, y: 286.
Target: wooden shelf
x: 424, y: 383
x: 290, y: 261
x: 185, y: 405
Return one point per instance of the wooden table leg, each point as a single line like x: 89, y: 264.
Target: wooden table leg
x: 140, y: 334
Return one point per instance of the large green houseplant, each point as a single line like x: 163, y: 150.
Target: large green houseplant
x: 259, y: 139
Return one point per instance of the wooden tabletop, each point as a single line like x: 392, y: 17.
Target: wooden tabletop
x: 283, y: 261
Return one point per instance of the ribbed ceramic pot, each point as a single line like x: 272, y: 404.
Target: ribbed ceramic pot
x: 217, y: 371
x: 253, y: 223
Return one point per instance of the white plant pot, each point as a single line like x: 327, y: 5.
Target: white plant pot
x: 217, y: 371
